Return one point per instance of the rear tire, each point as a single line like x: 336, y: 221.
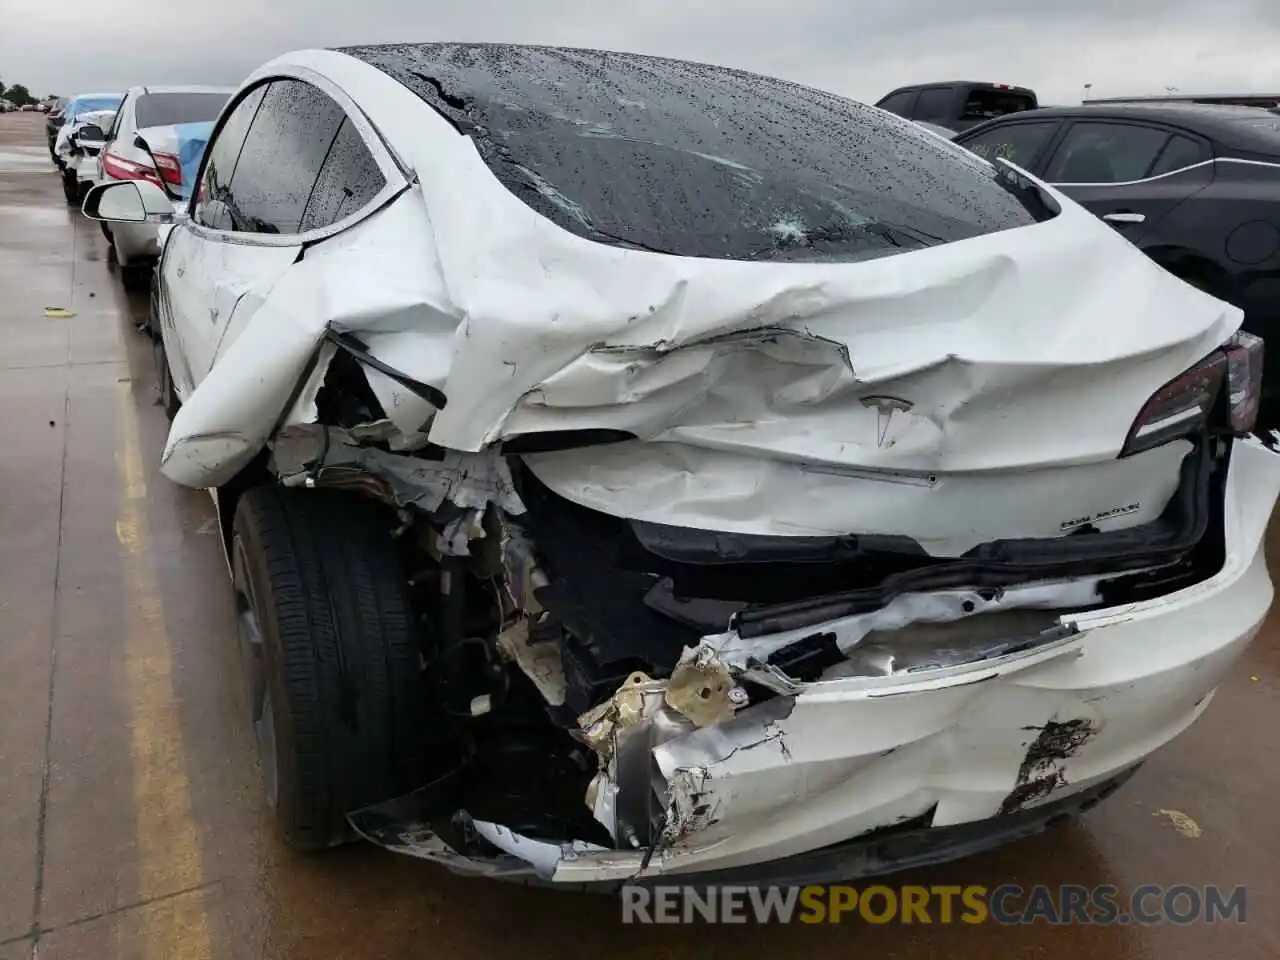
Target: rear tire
x: 136, y: 277
x: 335, y: 677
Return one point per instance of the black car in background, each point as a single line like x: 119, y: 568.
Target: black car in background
x: 1196, y: 187
x: 53, y: 122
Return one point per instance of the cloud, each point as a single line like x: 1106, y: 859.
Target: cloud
x: 861, y: 50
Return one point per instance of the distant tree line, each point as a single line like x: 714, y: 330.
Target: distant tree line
x: 17, y: 94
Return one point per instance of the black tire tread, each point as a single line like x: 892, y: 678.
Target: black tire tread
x: 336, y: 613
x: 135, y: 277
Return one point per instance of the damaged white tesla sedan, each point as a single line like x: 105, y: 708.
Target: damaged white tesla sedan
x: 635, y: 468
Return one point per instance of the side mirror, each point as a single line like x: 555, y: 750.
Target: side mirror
x: 91, y: 132
x: 128, y: 201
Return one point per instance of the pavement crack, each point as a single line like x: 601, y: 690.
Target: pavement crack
x: 61, y: 365
x: 46, y: 770
x: 123, y: 908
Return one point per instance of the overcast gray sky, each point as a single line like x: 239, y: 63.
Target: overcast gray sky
x: 861, y: 48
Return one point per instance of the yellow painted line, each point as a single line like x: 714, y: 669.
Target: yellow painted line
x: 165, y: 830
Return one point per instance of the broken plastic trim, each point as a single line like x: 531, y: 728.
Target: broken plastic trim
x: 1004, y: 564
x: 349, y: 344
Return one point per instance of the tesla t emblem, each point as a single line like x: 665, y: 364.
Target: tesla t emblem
x: 885, y: 408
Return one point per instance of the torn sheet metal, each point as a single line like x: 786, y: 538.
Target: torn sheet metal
x: 544, y: 857
x: 273, y: 308
x: 624, y: 730
x: 468, y: 481
x: 540, y: 662
x: 840, y: 758
x: 635, y: 700
x: 703, y: 689
x: 859, y: 390
x: 904, y: 610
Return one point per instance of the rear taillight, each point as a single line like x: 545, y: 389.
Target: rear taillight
x: 1188, y: 402
x: 169, y: 167
x: 118, y: 168
x: 1244, y: 380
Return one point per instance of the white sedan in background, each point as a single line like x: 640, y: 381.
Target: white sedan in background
x: 158, y: 134
x: 631, y: 467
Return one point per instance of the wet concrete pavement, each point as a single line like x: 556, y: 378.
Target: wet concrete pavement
x: 131, y: 823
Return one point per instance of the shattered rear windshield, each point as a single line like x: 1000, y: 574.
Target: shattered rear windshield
x: 703, y: 161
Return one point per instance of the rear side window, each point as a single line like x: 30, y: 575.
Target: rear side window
x: 899, y: 103
x: 281, y: 158
x: 1178, y: 153
x: 986, y: 104
x: 163, y: 109
x: 702, y: 161
x: 220, y: 162
x: 349, y: 179
x: 1016, y: 142
x: 1105, y: 153
x: 935, y: 104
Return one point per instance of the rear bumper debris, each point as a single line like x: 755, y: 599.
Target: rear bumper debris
x: 861, y: 774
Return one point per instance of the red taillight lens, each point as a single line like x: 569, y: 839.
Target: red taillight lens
x: 169, y: 167
x: 118, y: 168
x: 1185, y: 404
x: 1244, y: 380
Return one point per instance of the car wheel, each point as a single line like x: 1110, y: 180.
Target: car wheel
x: 164, y: 380
x: 136, y: 277
x: 71, y: 190
x: 334, y: 673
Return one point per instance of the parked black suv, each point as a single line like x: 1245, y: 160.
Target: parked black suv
x: 1196, y: 187
x: 958, y: 104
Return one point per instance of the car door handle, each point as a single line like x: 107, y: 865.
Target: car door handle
x: 1124, y: 216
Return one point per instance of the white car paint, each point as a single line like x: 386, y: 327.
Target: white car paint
x: 140, y: 243
x: 855, y: 754
x: 1026, y: 355
x: 632, y: 351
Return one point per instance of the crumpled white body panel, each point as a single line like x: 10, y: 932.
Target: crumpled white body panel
x: 1023, y: 357
x: 956, y: 394
x: 846, y: 756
